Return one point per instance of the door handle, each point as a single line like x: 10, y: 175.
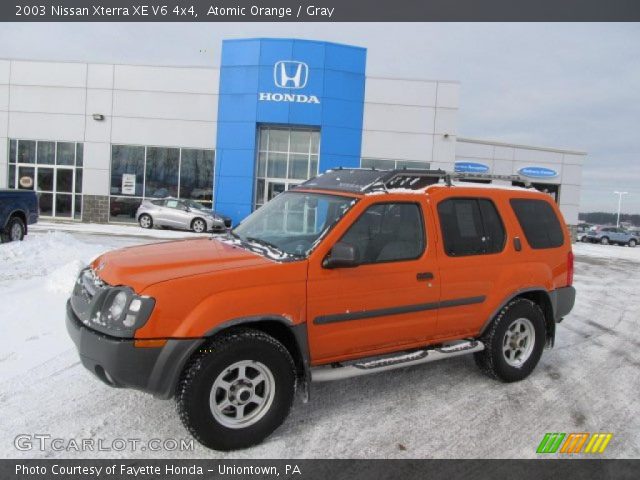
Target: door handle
x: 423, y: 276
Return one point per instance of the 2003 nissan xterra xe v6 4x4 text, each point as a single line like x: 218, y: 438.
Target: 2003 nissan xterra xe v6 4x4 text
x: 353, y: 272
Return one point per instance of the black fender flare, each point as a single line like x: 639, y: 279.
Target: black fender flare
x: 177, y: 352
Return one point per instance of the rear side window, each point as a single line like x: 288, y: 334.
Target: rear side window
x: 470, y: 226
x: 539, y: 223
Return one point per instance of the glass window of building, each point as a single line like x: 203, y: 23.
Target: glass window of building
x: 53, y: 169
x: 383, y: 164
x: 139, y: 172
x: 286, y: 157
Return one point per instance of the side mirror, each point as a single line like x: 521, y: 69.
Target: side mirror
x: 342, y: 255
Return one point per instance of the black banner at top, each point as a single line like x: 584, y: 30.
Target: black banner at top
x: 319, y: 10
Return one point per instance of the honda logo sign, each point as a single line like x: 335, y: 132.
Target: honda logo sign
x: 289, y: 74
x: 292, y: 75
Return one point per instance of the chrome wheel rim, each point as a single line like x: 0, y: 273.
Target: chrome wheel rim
x: 198, y: 226
x: 145, y: 222
x: 242, y: 394
x: 518, y: 342
x: 16, y: 232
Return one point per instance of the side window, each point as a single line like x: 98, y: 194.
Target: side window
x: 470, y: 226
x: 173, y: 204
x: 539, y: 223
x: 387, y: 232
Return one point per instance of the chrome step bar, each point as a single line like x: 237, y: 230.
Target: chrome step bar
x: 384, y: 363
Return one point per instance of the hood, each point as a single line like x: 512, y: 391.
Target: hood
x: 140, y: 267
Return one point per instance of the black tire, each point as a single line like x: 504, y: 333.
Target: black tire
x: 492, y: 360
x: 632, y: 243
x: 193, y: 225
x: 195, y: 386
x: 145, y: 221
x: 14, y: 231
x: 604, y: 240
x: 584, y: 240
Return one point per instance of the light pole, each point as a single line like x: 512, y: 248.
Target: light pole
x: 620, y: 194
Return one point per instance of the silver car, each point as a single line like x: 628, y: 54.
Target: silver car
x: 182, y: 214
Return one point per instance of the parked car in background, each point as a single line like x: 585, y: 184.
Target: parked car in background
x: 582, y: 230
x: 182, y: 214
x: 611, y: 236
x: 18, y: 208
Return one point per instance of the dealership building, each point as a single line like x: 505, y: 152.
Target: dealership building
x: 95, y: 139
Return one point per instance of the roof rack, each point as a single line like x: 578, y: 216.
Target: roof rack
x: 366, y: 180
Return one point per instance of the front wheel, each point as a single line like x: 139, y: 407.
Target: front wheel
x: 145, y: 221
x: 632, y: 243
x: 513, y: 342
x: 604, y: 241
x: 237, y: 390
x: 14, y: 231
x: 198, y: 225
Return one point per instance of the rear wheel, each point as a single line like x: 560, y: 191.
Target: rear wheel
x: 604, y: 241
x: 145, y: 221
x: 198, y: 225
x: 14, y: 231
x: 585, y: 239
x: 237, y: 390
x: 513, y: 342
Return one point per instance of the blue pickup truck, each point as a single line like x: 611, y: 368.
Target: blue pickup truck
x: 18, y: 208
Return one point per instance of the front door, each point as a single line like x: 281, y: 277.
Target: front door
x: 388, y: 300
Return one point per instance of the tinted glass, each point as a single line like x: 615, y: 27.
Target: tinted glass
x: 12, y: 151
x: 46, y: 204
x: 123, y: 209
x: 46, y: 153
x: 162, y: 172
x: 64, y: 180
x: 494, y: 233
x: 79, y: 154
x: 387, y: 232
x: 127, y: 160
x: 63, y: 205
x: 65, y: 153
x: 470, y: 226
x: 26, y: 151
x: 45, y: 179
x: 196, y: 174
x: 539, y: 223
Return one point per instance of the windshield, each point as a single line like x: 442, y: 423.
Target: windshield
x: 293, y: 222
x: 196, y: 205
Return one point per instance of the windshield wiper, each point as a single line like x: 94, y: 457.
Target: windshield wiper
x: 264, y: 242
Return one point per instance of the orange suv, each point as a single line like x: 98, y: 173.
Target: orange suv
x: 353, y: 272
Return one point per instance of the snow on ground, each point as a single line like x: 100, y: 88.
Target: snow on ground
x: 132, y: 230
x: 588, y: 383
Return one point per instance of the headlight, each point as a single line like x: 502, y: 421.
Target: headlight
x: 120, y: 312
x: 118, y: 304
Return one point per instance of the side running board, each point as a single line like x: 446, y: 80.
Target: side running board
x: 365, y: 366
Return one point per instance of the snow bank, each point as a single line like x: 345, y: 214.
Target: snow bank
x: 607, y: 251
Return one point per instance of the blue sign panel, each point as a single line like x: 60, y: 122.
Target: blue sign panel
x: 538, y: 172
x: 291, y: 83
x: 471, y: 167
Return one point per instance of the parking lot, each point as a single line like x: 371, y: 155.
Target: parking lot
x: 588, y: 383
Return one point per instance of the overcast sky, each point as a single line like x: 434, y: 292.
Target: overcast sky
x: 574, y: 86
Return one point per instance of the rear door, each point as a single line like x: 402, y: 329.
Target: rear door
x: 390, y: 299
x: 472, y: 261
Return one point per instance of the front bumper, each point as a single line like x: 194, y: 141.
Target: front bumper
x: 119, y: 363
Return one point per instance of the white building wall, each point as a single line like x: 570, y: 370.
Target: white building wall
x: 410, y: 120
x: 142, y: 105
x: 508, y: 159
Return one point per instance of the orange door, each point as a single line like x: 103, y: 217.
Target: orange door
x: 387, y: 301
